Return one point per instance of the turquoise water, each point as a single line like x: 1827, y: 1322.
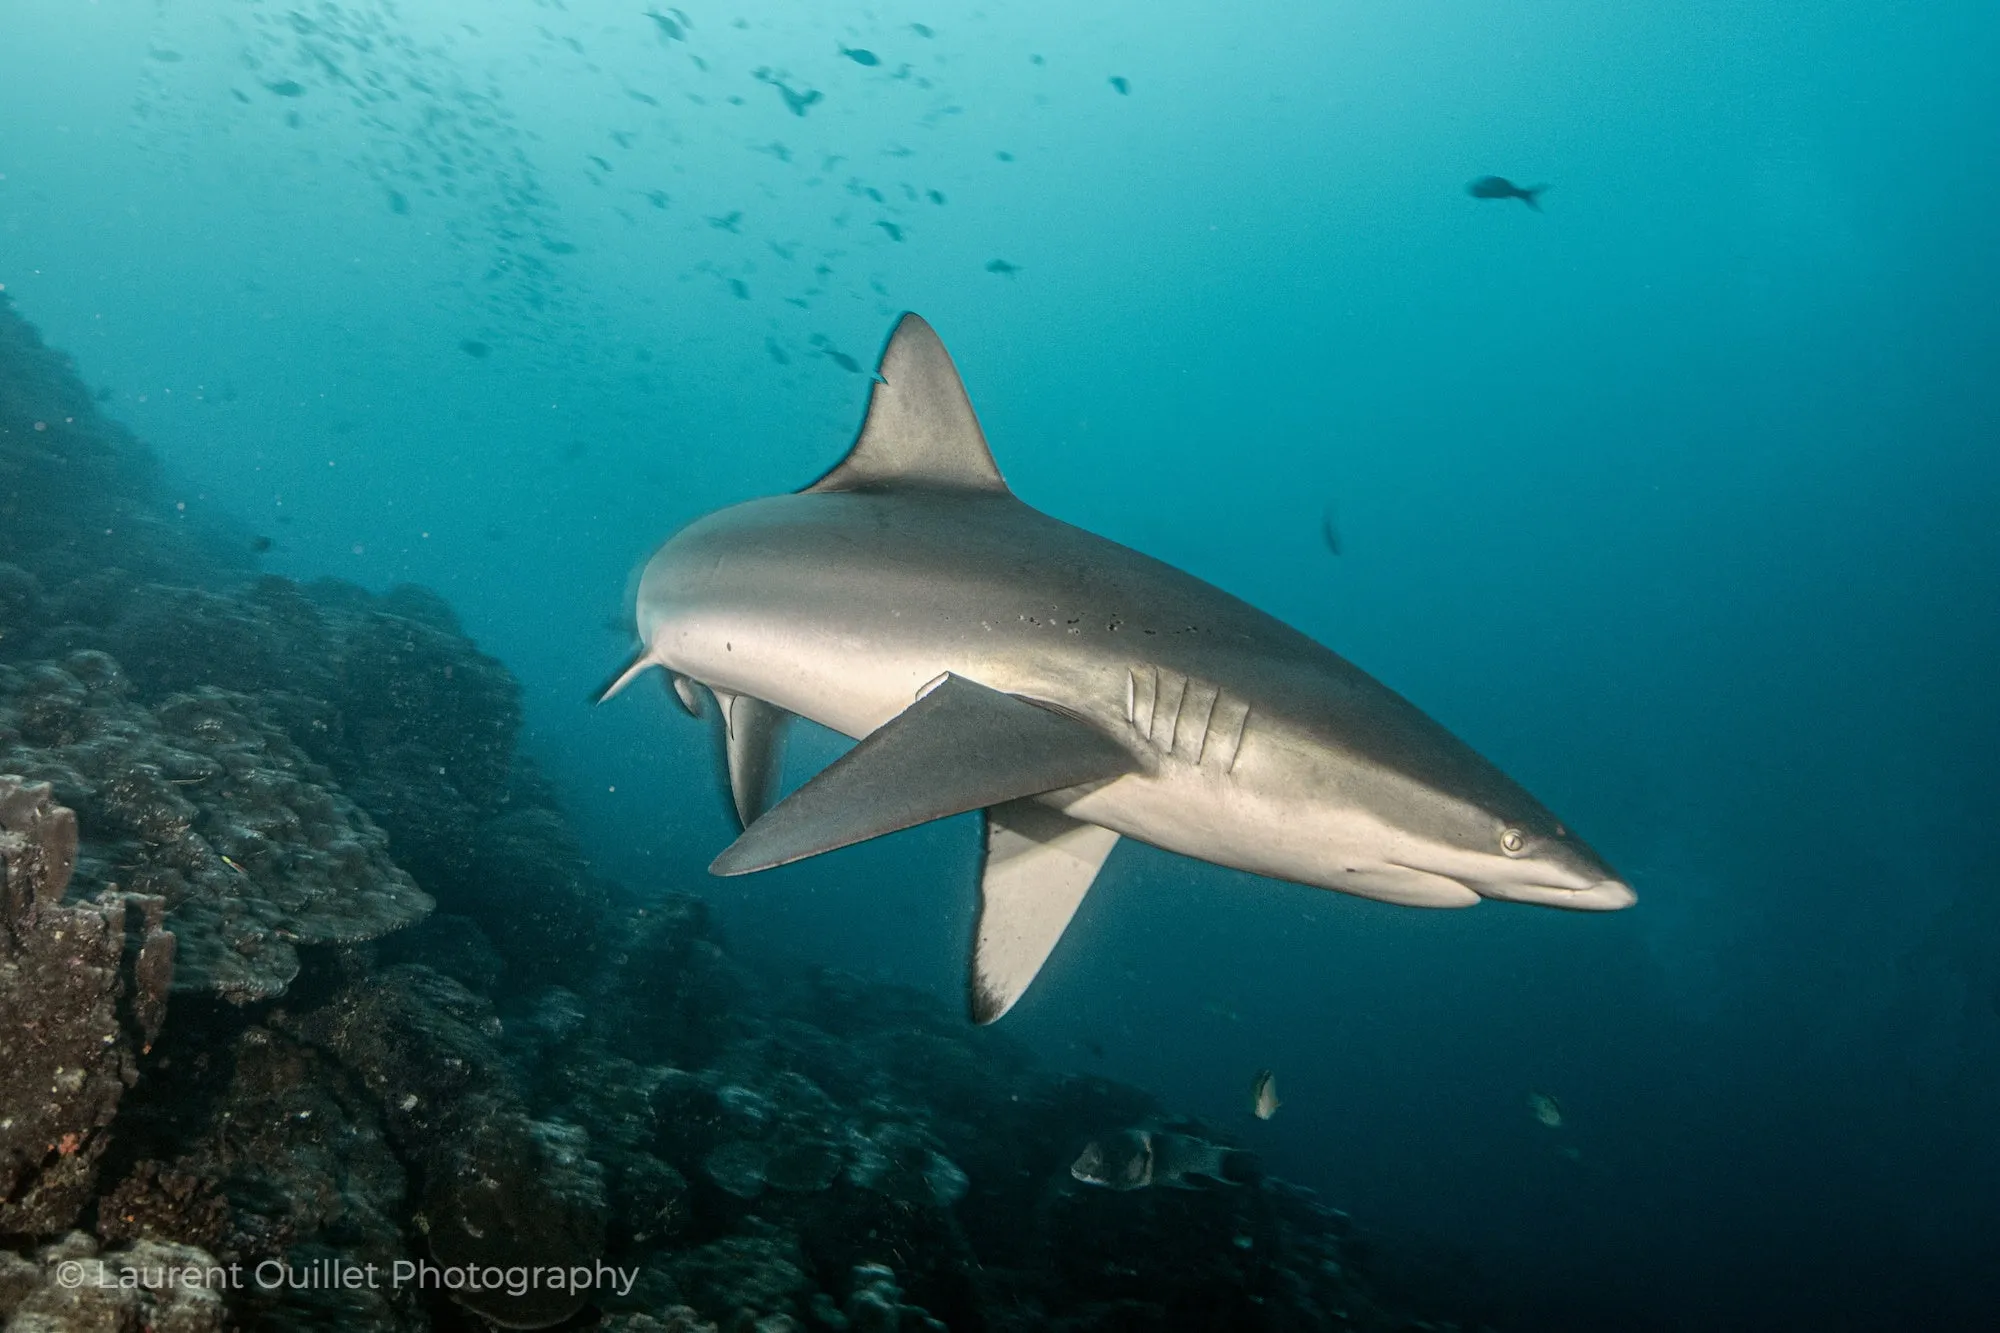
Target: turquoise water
x: 1676, y: 499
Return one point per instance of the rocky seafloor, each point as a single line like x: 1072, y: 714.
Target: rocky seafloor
x: 310, y: 1000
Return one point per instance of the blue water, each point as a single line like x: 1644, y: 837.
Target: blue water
x: 1677, y: 500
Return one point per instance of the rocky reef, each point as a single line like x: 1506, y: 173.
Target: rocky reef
x: 313, y: 1015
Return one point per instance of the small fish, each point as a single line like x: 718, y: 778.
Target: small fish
x: 261, y: 544
x: 602, y: 165
x: 1264, y: 1101
x: 739, y: 289
x: 844, y: 361
x: 474, y: 348
x: 1004, y: 156
x: 935, y: 196
x: 165, y: 57
x: 861, y: 57
x: 895, y: 232
x: 1545, y: 1109
x: 398, y: 203
x: 558, y: 247
x: 1499, y: 187
x: 1003, y: 268
x: 233, y: 866
x: 1135, y: 1159
x: 921, y: 30
x: 1328, y: 533
x: 668, y: 27
x: 795, y: 101
x: 728, y: 221
x: 287, y: 88
x: 1122, y: 84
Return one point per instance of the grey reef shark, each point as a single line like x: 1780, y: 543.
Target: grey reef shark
x: 989, y: 657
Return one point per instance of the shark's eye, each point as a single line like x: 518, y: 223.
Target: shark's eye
x: 1512, y: 842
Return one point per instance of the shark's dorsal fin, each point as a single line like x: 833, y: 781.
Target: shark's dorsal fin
x: 1039, y: 864
x: 920, y: 430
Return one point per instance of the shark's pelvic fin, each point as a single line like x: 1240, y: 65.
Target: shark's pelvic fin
x: 685, y: 690
x: 753, y: 739
x: 920, y: 429
x: 1039, y: 864
x: 632, y: 671
x: 960, y: 747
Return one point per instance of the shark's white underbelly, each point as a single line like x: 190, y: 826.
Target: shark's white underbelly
x: 1191, y: 736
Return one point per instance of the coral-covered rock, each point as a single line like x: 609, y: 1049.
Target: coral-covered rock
x: 498, y: 1187
x: 748, y: 1277
x: 68, y: 1057
x: 149, y: 1286
x: 200, y: 802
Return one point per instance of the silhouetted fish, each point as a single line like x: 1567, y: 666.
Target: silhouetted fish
x: 261, y: 544
x: 1001, y: 266
x: 474, y: 348
x: 844, y: 361
x: 1134, y: 1159
x: 1499, y: 187
x: 1328, y: 533
x: 287, y: 88
x: 861, y: 57
x: 1264, y: 1101
x: 895, y: 232
x: 1122, y: 84
x: 669, y: 28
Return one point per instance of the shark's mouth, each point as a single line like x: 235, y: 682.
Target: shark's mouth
x: 1606, y: 895
x: 1579, y: 895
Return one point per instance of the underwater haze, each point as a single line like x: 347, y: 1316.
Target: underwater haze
x: 1672, y: 490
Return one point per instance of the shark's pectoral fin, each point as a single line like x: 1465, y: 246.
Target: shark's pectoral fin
x: 1039, y: 864
x: 920, y: 429
x: 960, y: 747
x: 753, y: 741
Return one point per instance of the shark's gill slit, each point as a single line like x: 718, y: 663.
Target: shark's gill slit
x: 1167, y: 710
x: 1202, y: 696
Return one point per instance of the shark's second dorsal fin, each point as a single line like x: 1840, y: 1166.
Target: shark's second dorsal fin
x: 920, y: 429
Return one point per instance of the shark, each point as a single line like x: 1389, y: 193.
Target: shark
x: 985, y: 656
